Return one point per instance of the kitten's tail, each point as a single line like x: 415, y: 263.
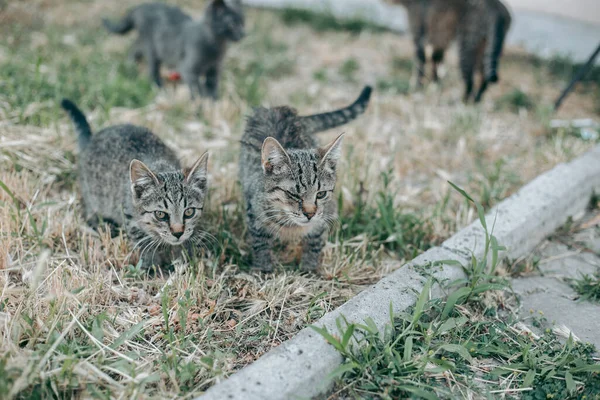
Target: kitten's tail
x: 84, y: 132
x: 498, y: 31
x: 120, y: 27
x: 321, y: 122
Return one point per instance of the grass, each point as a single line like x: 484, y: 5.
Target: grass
x: 78, y: 317
x: 349, y: 68
x: 398, y: 81
x: 516, y: 100
x: 588, y: 287
x: 405, y: 234
x: 565, y: 68
x: 55, y: 71
x: 469, y: 345
x: 322, y: 22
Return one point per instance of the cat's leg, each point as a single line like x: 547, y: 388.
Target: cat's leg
x: 261, y: 241
x: 482, y: 88
x: 483, y: 79
x: 419, y: 63
x: 153, y: 62
x: 312, y: 245
x: 416, y: 22
x: 436, y: 59
x: 96, y: 223
x: 212, y: 82
x: 192, y: 80
x: 468, y: 54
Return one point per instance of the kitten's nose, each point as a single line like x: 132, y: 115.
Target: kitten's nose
x: 177, y: 230
x: 309, y: 210
x: 308, y: 215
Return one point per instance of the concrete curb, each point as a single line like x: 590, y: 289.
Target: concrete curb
x: 299, y: 368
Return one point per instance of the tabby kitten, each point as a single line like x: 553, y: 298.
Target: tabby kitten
x: 193, y: 48
x: 480, y: 27
x: 288, y: 181
x: 130, y: 179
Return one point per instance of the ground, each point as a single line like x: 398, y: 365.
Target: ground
x: 77, y: 315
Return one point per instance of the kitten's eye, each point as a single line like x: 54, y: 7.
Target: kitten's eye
x: 321, y: 195
x: 161, y: 215
x: 189, y: 212
x: 291, y: 195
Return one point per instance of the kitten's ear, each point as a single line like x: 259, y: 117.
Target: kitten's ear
x: 197, y: 174
x: 274, y: 157
x: 141, y: 178
x: 331, y: 153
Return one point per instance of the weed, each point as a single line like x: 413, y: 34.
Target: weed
x: 320, y: 75
x: 322, y: 22
x: 349, y: 68
x: 419, y: 349
x: 515, y: 101
x: 91, y: 78
x: 398, y: 81
x: 587, y: 286
x: 401, y: 65
x: 565, y: 68
x: 493, y: 181
x: 394, y: 85
x: 384, y: 224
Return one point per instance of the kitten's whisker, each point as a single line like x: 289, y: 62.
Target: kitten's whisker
x: 148, y: 246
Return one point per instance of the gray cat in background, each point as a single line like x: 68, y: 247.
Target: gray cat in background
x: 193, y: 48
x: 129, y: 178
x: 288, y: 181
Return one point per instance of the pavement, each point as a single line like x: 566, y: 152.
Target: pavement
x: 547, y: 292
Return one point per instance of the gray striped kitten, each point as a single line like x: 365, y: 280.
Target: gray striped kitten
x: 130, y: 179
x: 195, y: 49
x: 288, y: 181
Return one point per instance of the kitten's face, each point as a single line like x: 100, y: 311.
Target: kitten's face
x: 299, y: 184
x: 169, y: 205
x: 228, y: 19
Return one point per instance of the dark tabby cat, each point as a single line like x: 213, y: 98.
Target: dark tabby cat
x: 288, y: 181
x: 479, y: 25
x: 193, y: 48
x: 129, y: 178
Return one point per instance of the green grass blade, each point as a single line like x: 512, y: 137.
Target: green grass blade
x: 453, y: 299
x: 128, y: 335
x: 408, y: 346
x: 570, y: 382
x: 529, y: 378
x: 347, y: 335
x: 329, y: 338
x: 457, y: 349
x: 423, y: 297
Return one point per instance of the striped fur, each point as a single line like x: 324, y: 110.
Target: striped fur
x: 84, y: 132
x: 128, y: 178
x: 288, y: 181
x: 322, y: 122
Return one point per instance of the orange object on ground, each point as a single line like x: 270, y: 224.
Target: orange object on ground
x: 174, y: 76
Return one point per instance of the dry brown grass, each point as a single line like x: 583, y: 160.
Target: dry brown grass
x: 76, y: 318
